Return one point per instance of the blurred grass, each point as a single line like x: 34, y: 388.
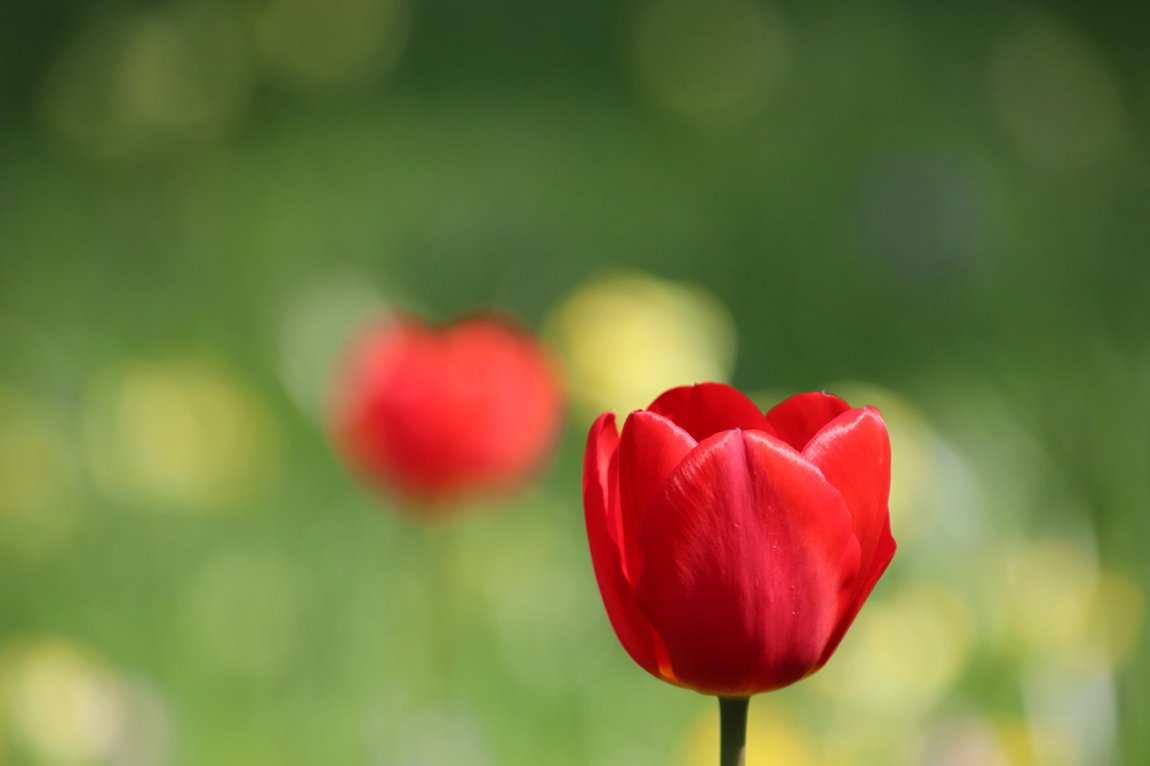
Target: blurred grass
x: 877, y: 211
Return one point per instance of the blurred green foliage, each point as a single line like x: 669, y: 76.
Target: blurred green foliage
x: 199, y: 199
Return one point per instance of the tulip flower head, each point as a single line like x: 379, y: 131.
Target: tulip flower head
x: 734, y: 548
x: 440, y: 413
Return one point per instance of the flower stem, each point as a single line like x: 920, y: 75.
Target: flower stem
x: 733, y: 730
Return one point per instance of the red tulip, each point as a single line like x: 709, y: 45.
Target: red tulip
x: 438, y: 413
x: 733, y: 549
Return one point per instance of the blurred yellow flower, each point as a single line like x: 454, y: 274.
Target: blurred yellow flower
x: 184, y: 433
x: 624, y: 339
x: 974, y: 739
x: 904, y: 652
x: 773, y: 737
x: 1115, y: 618
x: 66, y: 706
x: 1061, y: 607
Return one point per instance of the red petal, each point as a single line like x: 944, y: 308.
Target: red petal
x: 866, y: 582
x: 409, y: 388
x: 497, y: 378
x: 708, y: 408
x: 749, y: 556
x: 853, y: 452
x: 601, y: 511
x: 798, y: 419
x: 650, y: 449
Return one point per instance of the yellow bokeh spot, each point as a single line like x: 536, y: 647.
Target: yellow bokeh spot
x: 1062, y: 607
x: 1029, y: 744
x: 1050, y: 587
x: 974, y: 739
x: 708, y: 59
x: 184, y: 434
x: 625, y: 339
x: 773, y: 737
x: 903, y: 653
x: 324, y: 43
x: 63, y: 703
x: 1115, y: 617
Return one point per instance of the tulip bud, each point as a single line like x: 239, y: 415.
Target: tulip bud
x: 733, y: 549
x: 436, y: 414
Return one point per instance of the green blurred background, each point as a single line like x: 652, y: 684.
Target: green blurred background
x: 942, y: 211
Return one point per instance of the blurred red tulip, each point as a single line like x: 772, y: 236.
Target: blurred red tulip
x: 733, y: 549
x: 440, y: 413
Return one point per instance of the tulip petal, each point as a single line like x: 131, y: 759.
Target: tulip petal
x: 650, y: 448
x: 749, y: 556
x: 408, y: 387
x: 796, y: 420
x: 853, y: 452
x: 601, y: 506
x: 708, y: 408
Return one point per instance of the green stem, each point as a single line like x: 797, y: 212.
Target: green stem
x: 733, y: 730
